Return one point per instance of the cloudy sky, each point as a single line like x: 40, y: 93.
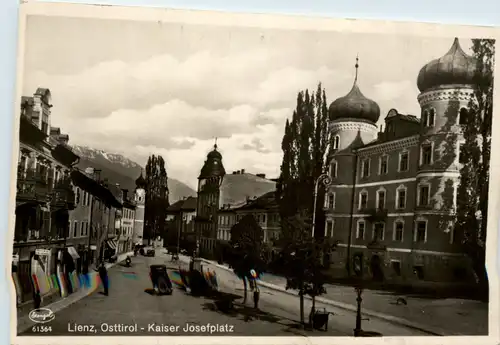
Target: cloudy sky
x: 139, y: 88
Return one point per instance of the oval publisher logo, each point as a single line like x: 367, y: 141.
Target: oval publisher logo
x: 41, y: 315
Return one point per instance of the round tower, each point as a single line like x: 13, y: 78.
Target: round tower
x: 353, y: 123
x: 446, y: 87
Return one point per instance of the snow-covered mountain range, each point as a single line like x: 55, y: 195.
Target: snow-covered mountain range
x: 120, y: 169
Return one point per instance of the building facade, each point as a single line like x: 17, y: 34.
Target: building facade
x: 140, y: 205
x: 44, y: 197
x: 394, y: 216
x: 209, y: 183
x: 127, y: 222
x: 264, y: 209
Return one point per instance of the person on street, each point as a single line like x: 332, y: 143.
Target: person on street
x: 85, y: 274
x: 103, y: 274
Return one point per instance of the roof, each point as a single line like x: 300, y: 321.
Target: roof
x: 188, y: 204
x: 236, y: 188
x: 264, y: 202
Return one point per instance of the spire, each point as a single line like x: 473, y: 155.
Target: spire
x: 356, y: 66
x: 215, y: 144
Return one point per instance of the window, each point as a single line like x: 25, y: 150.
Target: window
x: 423, y: 197
x: 365, y: 168
x: 363, y: 200
x: 378, y: 231
x: 461, y: 154
x: 329, y: 228
x: 429, y: 118
x: 403, y: 161
x: 425, y: 114
x: 82, y: 228
x: 75, y: 228
x: 462, y: 117
x: 421, y: 232
x: 426, y: 154
x: 331, y: 201
x: 398, y: 231
x: 360, y: 229
x: 384, y: 165
x: 333, y: 169
x: 396, y: 267
x: 418, y: 271
x: 336, y: 142
x: 381, y: 199
x: 401, y: 198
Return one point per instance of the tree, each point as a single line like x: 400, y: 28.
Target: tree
x: 303, y: 262
x: 472, y: 194
x: 156, y: 197
x: 246, y: 250
x: 305, y: 147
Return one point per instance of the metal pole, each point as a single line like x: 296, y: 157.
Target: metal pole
x: 179, y: 235
x: 314, y: 209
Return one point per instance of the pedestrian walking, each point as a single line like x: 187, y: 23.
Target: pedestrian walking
x: 85, y: 274
x: 103, y: 274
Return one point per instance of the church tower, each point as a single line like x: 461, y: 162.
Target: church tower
x: 353, y: 123
x: 140, y: 202
x: 446, y: 86
x: 209, y: 182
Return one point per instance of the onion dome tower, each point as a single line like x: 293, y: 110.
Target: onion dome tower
x: 140, y: 182
x: 353, y: 118
x: 446, y: 87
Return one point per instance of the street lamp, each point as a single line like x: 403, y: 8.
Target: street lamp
x: 325, y: 179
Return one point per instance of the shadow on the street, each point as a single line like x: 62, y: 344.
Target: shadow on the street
x: 224, y: 303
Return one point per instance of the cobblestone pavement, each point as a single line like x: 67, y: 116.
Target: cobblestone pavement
x: 452, y: 316
x: 129, y: 305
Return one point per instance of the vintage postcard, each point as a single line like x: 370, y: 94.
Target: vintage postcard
x: 193, y: 177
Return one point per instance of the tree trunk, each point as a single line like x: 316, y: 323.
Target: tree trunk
x: 245, y: 290
x: 301, y: 294
x: 313, y: 309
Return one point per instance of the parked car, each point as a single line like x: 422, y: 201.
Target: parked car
x: 148, y: 251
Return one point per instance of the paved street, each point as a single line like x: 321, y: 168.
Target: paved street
x: 128, y: 304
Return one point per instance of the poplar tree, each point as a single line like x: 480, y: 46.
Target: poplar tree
x: 156, y: 198
x: 472, y: 194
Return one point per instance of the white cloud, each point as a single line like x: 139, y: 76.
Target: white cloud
x: 186, y: 86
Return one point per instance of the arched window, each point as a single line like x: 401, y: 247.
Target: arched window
x: 333, y: 169
x: 462, y: 118
x: 336, y: 142
x: 431, y: 117
x: 424, y: 117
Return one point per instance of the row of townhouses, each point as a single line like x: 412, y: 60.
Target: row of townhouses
x: 65, y: 218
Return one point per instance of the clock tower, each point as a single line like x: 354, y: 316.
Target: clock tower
x: 209, y: 182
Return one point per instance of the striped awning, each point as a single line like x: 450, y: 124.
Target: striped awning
x: 112, y: 244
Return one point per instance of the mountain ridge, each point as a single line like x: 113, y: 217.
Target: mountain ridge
x: 119, y: 169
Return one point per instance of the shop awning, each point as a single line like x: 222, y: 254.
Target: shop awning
x: 74, y: 254
x: 111, y: 244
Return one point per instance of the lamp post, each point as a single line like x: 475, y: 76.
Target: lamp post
x: 325, y: 179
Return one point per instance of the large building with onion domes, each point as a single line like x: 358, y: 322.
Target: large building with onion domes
x: 394, y: 191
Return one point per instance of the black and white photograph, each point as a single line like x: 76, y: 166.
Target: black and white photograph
x: 195, y: 173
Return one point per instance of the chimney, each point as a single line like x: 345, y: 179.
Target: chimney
x: 261, y: 175
x: 89, y: 171
x: 242, y: 171
x: 125, y: 194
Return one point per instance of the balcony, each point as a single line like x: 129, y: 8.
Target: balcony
x: 377, y: 214
x: 63, y: 195
x: 32, y: 186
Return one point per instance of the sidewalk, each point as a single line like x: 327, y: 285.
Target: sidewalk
x: 442, y: 316
x: 24, y: 322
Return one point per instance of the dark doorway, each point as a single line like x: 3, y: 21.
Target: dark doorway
x: 376, y: 268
